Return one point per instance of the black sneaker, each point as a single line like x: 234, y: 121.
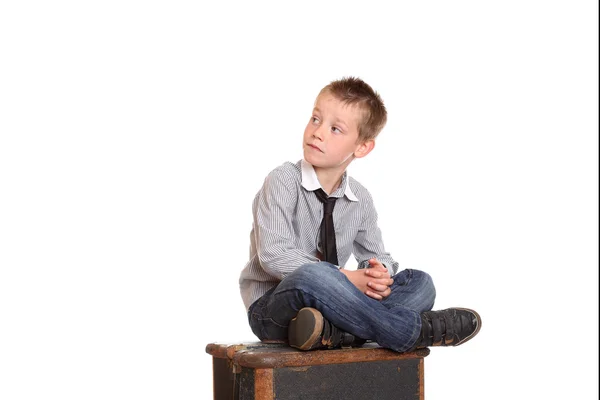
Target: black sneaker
x: 451, y: 327
x: 310, y: 331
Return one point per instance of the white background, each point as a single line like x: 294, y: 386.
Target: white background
x: 134, y: 136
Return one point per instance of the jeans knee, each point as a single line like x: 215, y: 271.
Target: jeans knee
x: 311, y: 275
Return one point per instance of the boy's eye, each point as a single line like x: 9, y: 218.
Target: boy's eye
x: 335, y: 129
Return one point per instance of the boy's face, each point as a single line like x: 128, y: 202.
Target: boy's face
x: 331, y: 136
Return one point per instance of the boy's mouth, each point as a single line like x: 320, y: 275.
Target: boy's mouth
x: 315, y: 147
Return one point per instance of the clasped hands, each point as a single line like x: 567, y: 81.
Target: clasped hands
x: 374, y: 281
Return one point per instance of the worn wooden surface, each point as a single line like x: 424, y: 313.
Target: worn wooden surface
x: 260, y: 355
x: 263, y: 384
x: 259, y: 371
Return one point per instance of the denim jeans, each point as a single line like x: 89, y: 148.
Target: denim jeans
x: 393, y: 322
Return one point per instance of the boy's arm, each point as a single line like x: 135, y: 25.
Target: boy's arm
x: 274, y: 231
x: 368, y: 243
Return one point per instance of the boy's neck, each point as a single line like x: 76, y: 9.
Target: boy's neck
x: 330, y: 178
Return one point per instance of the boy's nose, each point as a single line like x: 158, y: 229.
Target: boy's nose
x: 318, y: 134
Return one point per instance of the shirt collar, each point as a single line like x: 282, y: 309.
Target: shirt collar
x: 311, y: 183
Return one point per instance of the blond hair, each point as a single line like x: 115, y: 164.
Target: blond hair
x: 354, y: 91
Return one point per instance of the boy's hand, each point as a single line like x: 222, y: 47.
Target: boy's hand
x: 373, y: 281
x: 380, y: 284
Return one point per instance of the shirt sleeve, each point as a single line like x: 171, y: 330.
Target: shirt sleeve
x: 369, y: 243
x: 273, y: 218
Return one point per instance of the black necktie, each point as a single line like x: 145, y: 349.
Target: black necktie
x: 327, y: 232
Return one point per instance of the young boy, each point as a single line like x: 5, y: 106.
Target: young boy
x: 308, y: 218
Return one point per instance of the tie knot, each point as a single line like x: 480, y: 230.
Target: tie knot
x: 328, y: 207
x: 328, y: 202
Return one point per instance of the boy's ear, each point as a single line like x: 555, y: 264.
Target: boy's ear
x: 364, y: 148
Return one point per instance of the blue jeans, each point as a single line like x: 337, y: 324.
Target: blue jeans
x: 393, y: 322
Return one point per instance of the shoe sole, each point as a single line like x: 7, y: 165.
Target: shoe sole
x: 305, y: 329
x: 465, y: 340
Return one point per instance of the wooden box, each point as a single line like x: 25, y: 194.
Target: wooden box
x: 260, y: 371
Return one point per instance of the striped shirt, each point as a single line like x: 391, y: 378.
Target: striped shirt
x: 287, y: 218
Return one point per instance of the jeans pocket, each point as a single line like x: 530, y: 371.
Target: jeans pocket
x: 265, y: 327
x: 255, y: 318
x: 256, y: 326
x: 261, y: 316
